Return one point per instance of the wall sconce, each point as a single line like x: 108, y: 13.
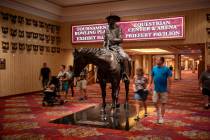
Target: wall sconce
x: 28, y: 21
x: 14, y: 46
x: 5, y: 30
x: 41, y: 37
x: 58, y: 40
x: 52, y: 39
x: 21, y: 34
x: 208, y: 30
x: 35, y: 48
x: 21, y: 46
x: 28, y: 34
x: 58, y: 50
x: 47, y: 48
x: 208, y: 17
x: 20, y: 19
x: 53, y: 49
x: 5, y: 16
x: 57, y: 29
x: 35, y: 23
x: 41, y: 48
x: 47, y: 38
x: 41, y: 24
x: 35, y: 35
x: 5, y: 45
x: 13, y: 32
x: 13, y: 18
x: 28, y: 47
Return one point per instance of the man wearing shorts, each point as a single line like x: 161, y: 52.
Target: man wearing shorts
x: 204, y: 82
x: 161, y: 75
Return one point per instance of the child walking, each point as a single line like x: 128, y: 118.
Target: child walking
x: 141, y: 92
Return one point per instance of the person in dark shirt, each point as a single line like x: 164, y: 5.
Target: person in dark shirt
x: 71, y: 81
x: 45, y: 75
x: 204, y: 84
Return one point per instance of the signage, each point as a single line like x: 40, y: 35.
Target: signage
x: 154, y: 29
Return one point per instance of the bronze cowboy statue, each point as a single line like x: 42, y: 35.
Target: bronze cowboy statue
x: 112, y: 62
x: 113, y: 39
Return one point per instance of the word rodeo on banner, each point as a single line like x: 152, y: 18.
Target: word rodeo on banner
x: 154, y: 29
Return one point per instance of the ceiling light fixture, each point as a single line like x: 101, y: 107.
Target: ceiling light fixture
x: 152, y: 50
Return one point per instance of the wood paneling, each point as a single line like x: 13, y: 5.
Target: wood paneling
x: 22, y: 67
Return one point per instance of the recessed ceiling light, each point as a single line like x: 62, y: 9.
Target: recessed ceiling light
x: 152, y: 50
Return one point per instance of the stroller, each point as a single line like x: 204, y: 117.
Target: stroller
x: 51, y: 96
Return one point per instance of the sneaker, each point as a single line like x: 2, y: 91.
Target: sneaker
x: 137, y: 118
x: 206, y: 107
x: 161, y: 121
x: 145, y: 114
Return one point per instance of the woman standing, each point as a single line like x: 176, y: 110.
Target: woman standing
x: 71, y: 81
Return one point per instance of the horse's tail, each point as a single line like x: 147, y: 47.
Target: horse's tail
x: 129, y: 67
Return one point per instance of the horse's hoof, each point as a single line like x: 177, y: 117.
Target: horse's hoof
x: 118, y: 106
x: 102, y: 112
x: 126, y: 106
x: 105, y: 118
x: 113, y: 107
x: 112, y: 112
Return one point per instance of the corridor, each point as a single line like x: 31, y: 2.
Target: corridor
x: 24, y: 117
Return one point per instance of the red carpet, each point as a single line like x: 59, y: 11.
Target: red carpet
x: 24, y: 118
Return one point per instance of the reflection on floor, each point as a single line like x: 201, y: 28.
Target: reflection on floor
x: 23, y: 117
x: 120, y: 118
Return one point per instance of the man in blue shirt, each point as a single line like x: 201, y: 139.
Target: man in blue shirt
x: 161, y: 76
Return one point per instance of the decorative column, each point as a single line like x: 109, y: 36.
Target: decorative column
x: 193, y: 66
x: 177, y: 67
x: 138, y: 62
x: 186, y: 63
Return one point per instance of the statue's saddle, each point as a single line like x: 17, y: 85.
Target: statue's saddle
x: 117, y: 55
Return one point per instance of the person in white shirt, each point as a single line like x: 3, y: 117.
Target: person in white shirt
x: 63, y: 77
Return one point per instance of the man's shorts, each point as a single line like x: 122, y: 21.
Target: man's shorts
x: 82, y: 84
x: 206, y: 91
x: 160, y: 97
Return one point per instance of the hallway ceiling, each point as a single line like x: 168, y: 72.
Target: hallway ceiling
x: 187, y: 49
x: 77, y: 10
x: 68, y: 3
x: 152, y: 50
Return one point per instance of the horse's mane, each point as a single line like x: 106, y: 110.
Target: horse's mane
x: 93, y: 51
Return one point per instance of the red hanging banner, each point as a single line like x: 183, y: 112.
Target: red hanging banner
x: 154, y: 29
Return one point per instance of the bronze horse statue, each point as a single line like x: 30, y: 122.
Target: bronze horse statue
x: 109, y: 69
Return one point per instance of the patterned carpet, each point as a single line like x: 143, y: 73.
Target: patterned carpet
x: 24, y: 118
